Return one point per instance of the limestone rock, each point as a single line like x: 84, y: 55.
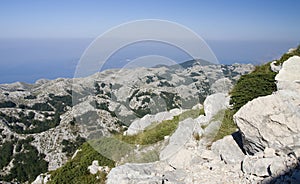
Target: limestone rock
x: 95, y: 168
x: 228, y: 150
x: 222, y: 85
x: 274, y: 67
x: 214, y: 103
x: 179, y: 138
x: 140, y: 124
x: 41, y: 179
x: 289, y: 76
x: 145, y: 173
x: 270, y: 121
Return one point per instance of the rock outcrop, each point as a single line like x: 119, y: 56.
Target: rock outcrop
x: 273, y: 121
x: 270, y: 137
x: 140, y: 124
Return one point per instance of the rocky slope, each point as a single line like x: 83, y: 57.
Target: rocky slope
x: 266, y: 152
x: 51, y: 118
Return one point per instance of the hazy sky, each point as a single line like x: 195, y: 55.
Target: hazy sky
x: 46, y: 38
x: 213, y: 19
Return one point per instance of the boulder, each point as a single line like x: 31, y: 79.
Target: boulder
x: 140, y: 124
x: 222, y: 85
x: 288, y: 77
x: 273, y: 121
x: 263, y: 167
x: 179, y: 138
x: 214, y: 103
x: 274, y: 67
x: 155, y: 172
x: 270, y: 121
x: 228, y: 150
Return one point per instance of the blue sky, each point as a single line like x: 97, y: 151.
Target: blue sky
x: 214, y: 19
x: 45, y: 39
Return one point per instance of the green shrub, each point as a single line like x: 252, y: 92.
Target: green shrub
x: 27, y: 164
x: 76, y: 170
x: 42, y: 107
x: 286, y: 56
x: 6, y: 151
x: 260, y: 82
x: 30, y: 97
x: 7, y: 104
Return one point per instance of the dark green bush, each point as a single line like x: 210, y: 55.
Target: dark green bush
x: 260, y: 82
x: 75, y: 170
x: 42, y: 107
x: 29, y: 97
x: 7, y: 104
x: 6, y: 151
x: 28, y: 164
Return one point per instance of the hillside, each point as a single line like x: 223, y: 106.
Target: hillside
x: 50, y: 119
x: 195, y: 124
x: 215, y: 145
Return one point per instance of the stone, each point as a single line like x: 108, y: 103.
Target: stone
x: 179, y: 138
x: 223, y: 85
x: 289, y: 76
x: 228, y: 150
x: 140, y: 124
x: 268, y: 166
x: 42, y: 179
x: 214, y: 103
x: 269, y: 152
x: 274, y: 67
x: 270, y: 121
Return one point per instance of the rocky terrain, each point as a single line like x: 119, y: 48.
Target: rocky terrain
x: 42, y: 124
x: 264, y: 148
x: 157, y: 125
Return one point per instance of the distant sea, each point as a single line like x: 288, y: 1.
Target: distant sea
x: 27, y: 60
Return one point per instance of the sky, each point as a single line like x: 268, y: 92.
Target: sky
x: 38, y: 35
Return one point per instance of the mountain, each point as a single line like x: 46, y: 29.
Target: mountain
x: 42, y: 124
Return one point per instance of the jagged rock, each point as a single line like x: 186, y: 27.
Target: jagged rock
x: 222, y: 85
x: 145, y: 173
x: 228, y: 150
x: 288, y: 77
x: 269, y: 152
x: 214, y: 103
x: 180, y: 137
x: 267, y: 165
x: 95, y: 168
x: 140, y: 124
x: 270, y: 121
x: 263, y: 167
x: 274, y: 67
x: 42, y: 179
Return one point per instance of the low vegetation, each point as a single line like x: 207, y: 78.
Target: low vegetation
x: 260, y: 82
x: 286, y: 56
x: 75, y: 170
x: 28, y: 163
x: 158, y: 131
x: 228, y: 126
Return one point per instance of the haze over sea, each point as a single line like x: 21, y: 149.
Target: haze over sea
x: 28, y: 60
x: 45, y: 39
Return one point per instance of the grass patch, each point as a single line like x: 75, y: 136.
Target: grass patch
x: 286, y: 56
x: 228, y: 126
x: 158, y: 131
x: 76, y: 170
